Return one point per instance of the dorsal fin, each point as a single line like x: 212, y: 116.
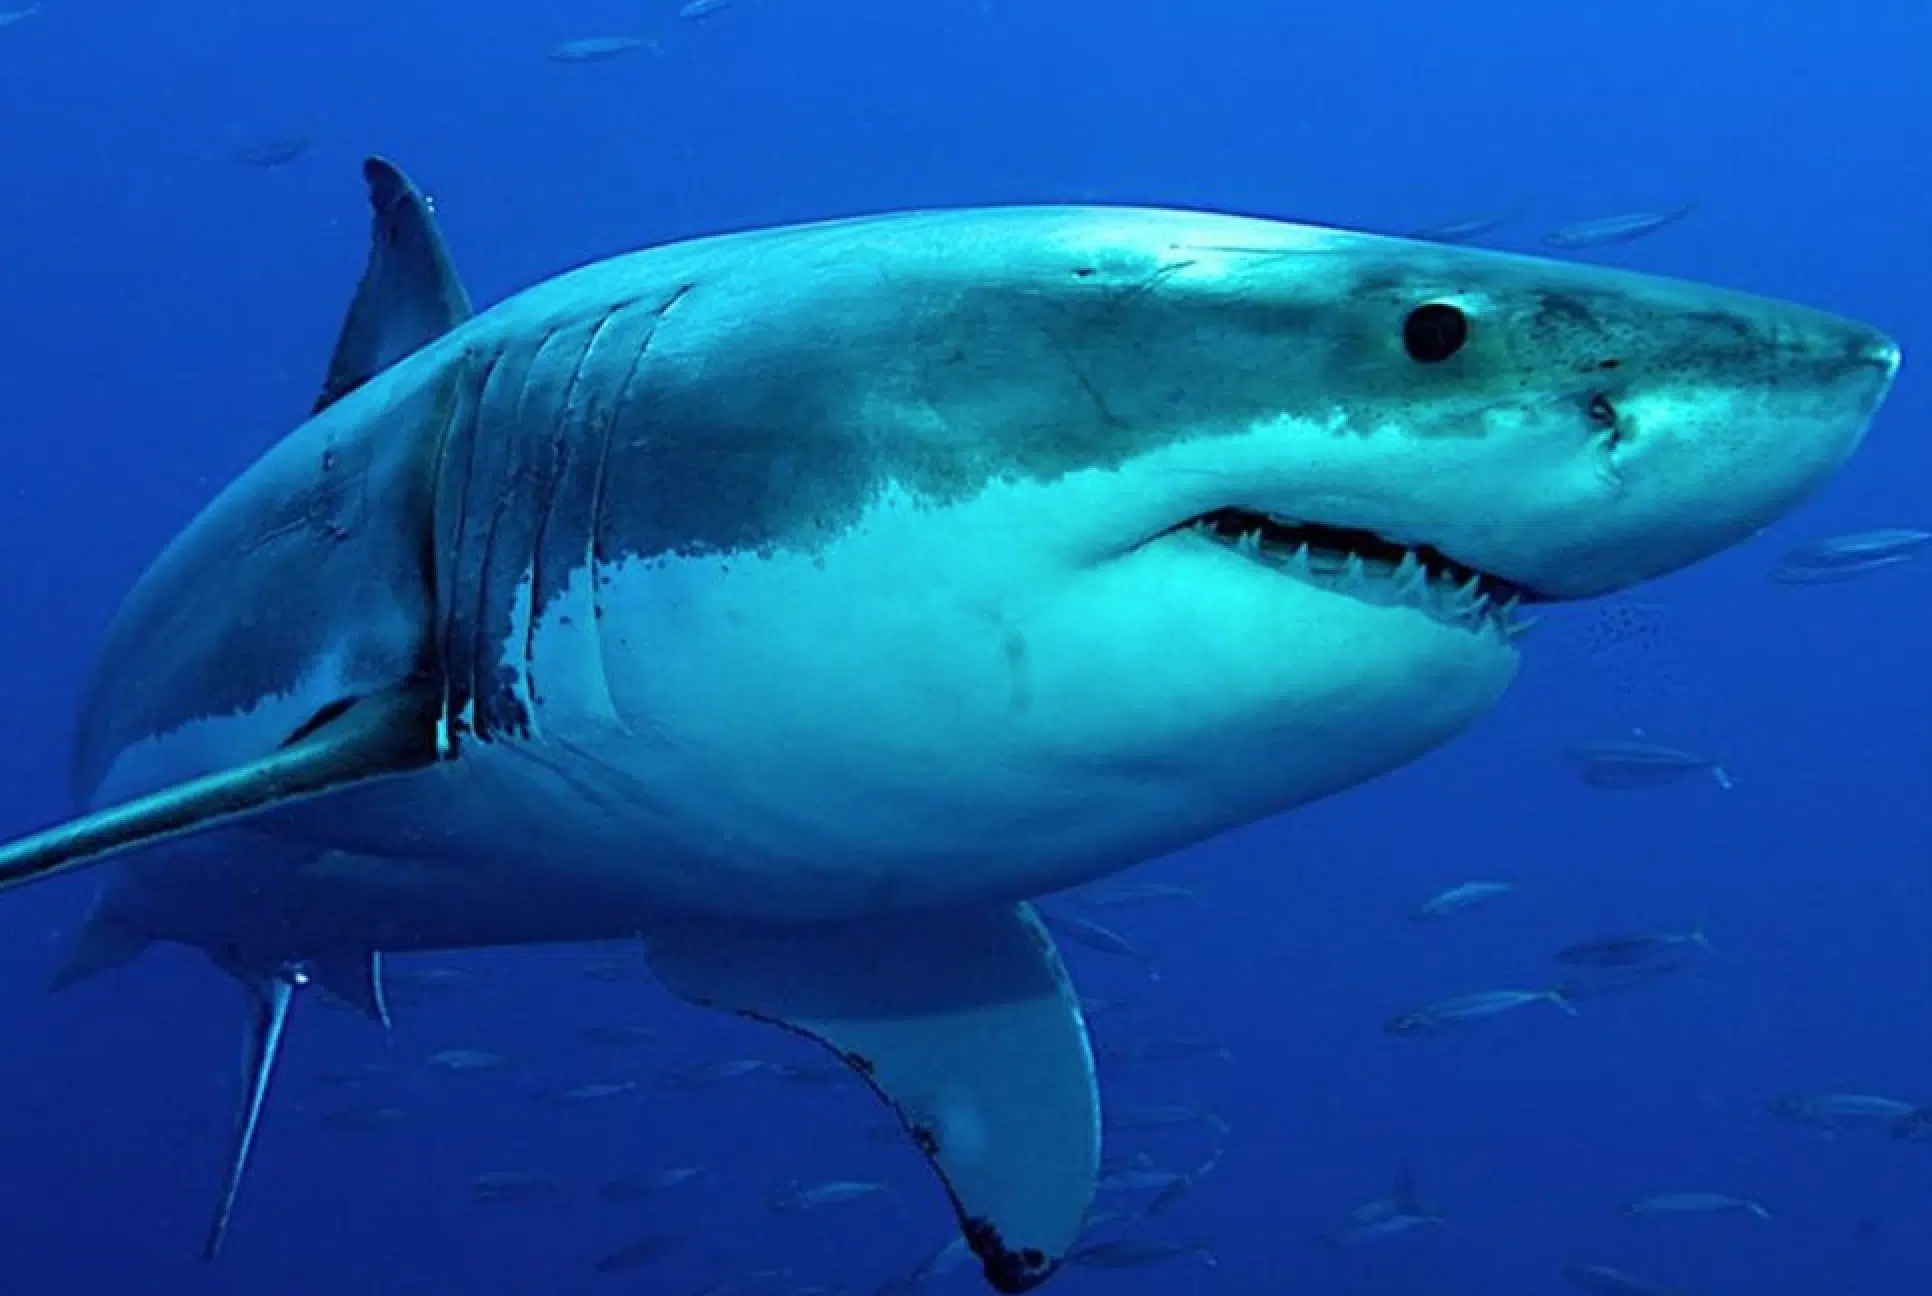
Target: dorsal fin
x: 409, y: 295
x: 268, y: 1000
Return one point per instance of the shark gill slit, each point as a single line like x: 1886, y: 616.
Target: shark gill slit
x: 551, y: 476
x: 465, y: 414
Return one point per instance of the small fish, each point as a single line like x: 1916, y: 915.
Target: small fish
x: 644, y: 1251
x: 1120, y: 1118
x: 619, y: 1036
x: 1634, y: 949
x: 1614, y: 229
x: 1840, y: 1111
x: 1101, y: 940
x: 1636, y: 763
x: 1386, y: 1229
x: 1466, y: 229
x: 365, y: 1118
x: 1124, y: 894
x: 712, y: 1073
x: 594, y: 49
x: 1460, y: 897
x: 1125, y: 1053
x: 695, y: 9
x: 12, y: 16
x: 1131, y: 1253
x: 939, y: 1263
x: 460, y: 1059
x: 578, y: 1095
x: 1180, y: 1188
x: 636, y: 1187
x: 1605, y: 1281
x: 1138, y: 1179
x: 1696, y: 1203
x: 1592, y: 982
x: 1445, y: 1013
x: 428, y: 978
x: 1845, y: 556
x: 274, y: 151
x: 810, y: 1074
x: 832, y: 1192
x: 500, y: 1186
x: 1391, y: 1215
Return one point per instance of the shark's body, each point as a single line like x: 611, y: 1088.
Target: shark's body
x: 806, y: 600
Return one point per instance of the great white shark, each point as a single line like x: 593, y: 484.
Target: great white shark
x: 806, y: 600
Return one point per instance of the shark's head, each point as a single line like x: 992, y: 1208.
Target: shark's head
x: 1120, y: 527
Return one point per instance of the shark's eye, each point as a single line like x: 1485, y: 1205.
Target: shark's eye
x: 1433, y: 332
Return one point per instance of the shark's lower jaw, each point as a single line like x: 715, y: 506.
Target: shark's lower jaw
x: 1363, y: 565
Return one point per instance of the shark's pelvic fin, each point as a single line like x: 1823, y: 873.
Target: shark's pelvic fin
x: 269, y: 999
x: 391, y: 732
x: 965, y: 1023
x: 409, y: 295
x: 103, y: 943
x: 356, y: 979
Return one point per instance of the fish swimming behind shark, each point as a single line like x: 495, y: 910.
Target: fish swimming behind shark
x: 808, y: 600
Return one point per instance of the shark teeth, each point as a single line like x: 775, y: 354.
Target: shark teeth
x: 1446, y: 592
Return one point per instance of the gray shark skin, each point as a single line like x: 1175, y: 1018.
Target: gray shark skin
x: 808, y: 600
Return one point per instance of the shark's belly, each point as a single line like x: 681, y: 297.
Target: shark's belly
x: 921, y: 714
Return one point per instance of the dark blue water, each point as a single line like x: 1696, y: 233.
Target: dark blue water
x: 166, y: 314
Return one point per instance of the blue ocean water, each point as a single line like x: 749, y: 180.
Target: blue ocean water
x: 167, y: 313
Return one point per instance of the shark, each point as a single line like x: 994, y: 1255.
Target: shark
x: 806, y: 602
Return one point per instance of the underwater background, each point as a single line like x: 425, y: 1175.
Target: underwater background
x: 181, y: 224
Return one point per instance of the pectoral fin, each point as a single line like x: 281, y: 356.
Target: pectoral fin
x: 965, y: 1023
x: 363, y: 738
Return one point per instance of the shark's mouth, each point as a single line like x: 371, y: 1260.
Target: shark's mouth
x: 1366, y: 566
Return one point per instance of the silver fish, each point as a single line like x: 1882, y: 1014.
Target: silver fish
x: 577, y: 1095
x: 1696, y: 1203
x: 1457, y: 898
x: 1622, y: 765
x: 1445, y: 1013
x: 1605, y: 1281
x: 1465, y: 229
x: 1131, y: 1253
x: 636, y: 1187
x: 1843, y: 557
x: 1840, y: 1111
x: 461, y: 1059
x: 1607, y: 230
x: 644, y: 1251
x: 500, y: 1186
x: 1636, y: 949
x: 832, y: 1192
x: 594, y: 49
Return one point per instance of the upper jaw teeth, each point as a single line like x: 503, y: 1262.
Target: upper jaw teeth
x: 1467, y: 603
